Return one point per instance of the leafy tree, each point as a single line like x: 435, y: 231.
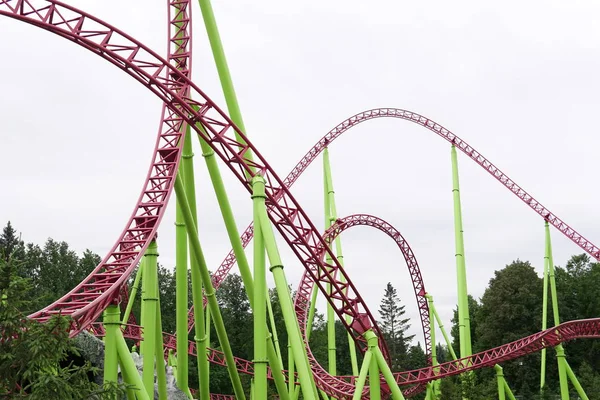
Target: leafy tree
x: 510, y: 309
x: 393, y: 326
x: 34, y: 357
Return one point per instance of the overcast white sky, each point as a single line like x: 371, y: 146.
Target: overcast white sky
x: 517, y: 80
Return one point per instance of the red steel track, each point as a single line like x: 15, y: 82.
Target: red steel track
x: 341, y: 387
x: 86, y: 302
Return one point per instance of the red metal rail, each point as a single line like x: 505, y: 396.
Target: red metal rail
x: 340, y: 386
x: 86, y: 302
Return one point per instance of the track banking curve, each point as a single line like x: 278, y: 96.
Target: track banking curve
x: 333, y: 385
x: 86, y: 302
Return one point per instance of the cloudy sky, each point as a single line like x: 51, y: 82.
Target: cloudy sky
x: 516, y: 80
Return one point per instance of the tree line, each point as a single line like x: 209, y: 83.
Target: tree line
x: 510, y: 308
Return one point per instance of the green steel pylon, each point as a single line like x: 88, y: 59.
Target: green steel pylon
x: 565, y: 373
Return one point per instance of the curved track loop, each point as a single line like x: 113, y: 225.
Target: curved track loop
x: 86, y: 302
x: 340, y: 387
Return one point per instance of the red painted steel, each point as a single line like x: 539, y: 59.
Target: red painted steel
x: 328, y: 383
x: 86, y: 302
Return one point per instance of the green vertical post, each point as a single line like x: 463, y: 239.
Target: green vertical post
x: 260, y: 303
x: 338, y: 246
x: 161, y: 376
x: 560, y: 353
x: 142, y: 268
x: 240, y: 255
x: 362, y: 376
x: 305, y: 377
x: 291, y: 372
x: 133, y: 294
x: 129, y: 368
x: 209, y: 290
x: 500, y: 380
x: 461, y: 273
x: 331, y: 348
x: 111, y: 326
x: 273, y: 327
x: 544, y: 314
x: 181, y: 283
x: 200, y: 335
x: 374, y: 379
x: 130, y: 391
x: 150, y: 300
x: 434, y: 388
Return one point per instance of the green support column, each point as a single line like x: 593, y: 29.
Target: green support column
x: 216, y: 46
x: 209, y: 290
x: 133, y: 294
x: 200, y: 335
x: 331, y: 348
x: 441, y: 326
x: 338, y: 245
x: 560, y: 353
x: 544, y: 314
x: 383, y: 366
x: 500, y: 380
x: 291, y: 372
x: 130, y: 371
x: 374, y: 378
x: 150, y: 300
x: 111, y: 327
x: 143, y: 303
x: 273, y: 327
x: 576, y: 383
x: 240, y: 255
x: 181, y: 285
x: 260, y: 303
x: 364, y: 370
x: 305, y: 377
x: 161, y: 376
x: 461, y: 273
x: 434, y: 388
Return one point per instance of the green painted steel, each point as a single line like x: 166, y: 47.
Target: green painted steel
x: 560, y: 353
x: 181, y: 282
x: 442, y: 329
x: 161, y: 376
x: 338, y: 246
x: 291, y: 368
x: 305, y: 377
x: 331, y: 347
x: 240, y: 255
x: 130, y: 371
x: 362, y: 376
x: 374, y: 378
x: 133, y: 294
x: 576, y: 383
x: 150, y: 299
x: 111, y: 326
x: 216, y: 46
x: 433, y: 388
x: 209, y: 291
x: 260, y: 300
x: 461, y: 272
x: 142, y: 269
x: 544, y: 311
x: 275, y: 338
x: 200, y: 336
x: 383, y: 367
x: 500, y: 380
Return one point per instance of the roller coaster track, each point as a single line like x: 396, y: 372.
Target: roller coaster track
x: 186, y: 103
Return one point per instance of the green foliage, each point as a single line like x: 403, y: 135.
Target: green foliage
x: 34, y: 357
